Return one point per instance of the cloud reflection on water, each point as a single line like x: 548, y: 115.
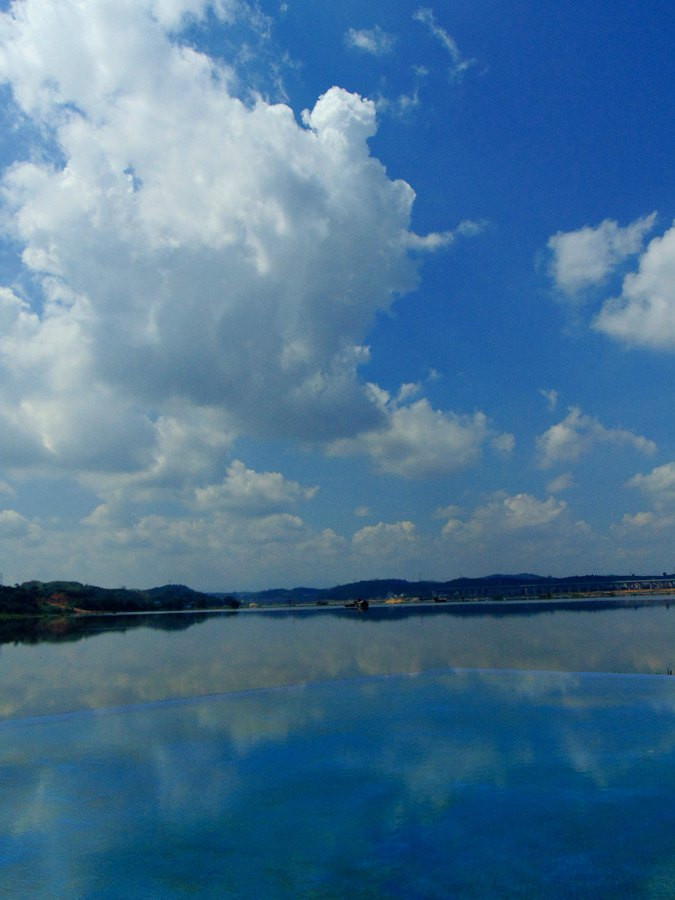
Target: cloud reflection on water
x: 460, y: 781
x: 233, y: 652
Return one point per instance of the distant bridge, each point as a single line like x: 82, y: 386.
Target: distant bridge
x: 564, y: 587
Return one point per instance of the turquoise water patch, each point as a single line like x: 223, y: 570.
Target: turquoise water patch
x: 448, y: 784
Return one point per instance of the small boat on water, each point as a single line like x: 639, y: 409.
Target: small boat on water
x: 360, y: 605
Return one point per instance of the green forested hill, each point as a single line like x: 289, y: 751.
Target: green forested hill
x: 34, y: 598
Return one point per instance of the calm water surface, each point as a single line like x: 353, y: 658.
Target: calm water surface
x: 112, y: 661
x: 297, y: 755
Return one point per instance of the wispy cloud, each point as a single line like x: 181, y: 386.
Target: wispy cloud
x: 402, y: 105
x: 435, y: 240
x: 371, y: 40
x: 562, y: 483
x: 460, y: 63
x: 551, y: 397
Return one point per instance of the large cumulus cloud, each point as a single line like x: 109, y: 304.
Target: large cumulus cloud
x: 181, y: 247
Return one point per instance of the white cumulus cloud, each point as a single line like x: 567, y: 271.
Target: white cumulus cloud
x: 392, y: 543
x: 417, y: 441
x: 644, y: 313
x: 245, y: 489
x: 577, y: 434
x: 658, y: 485
x: 584, y: 258
x: 514, y: 532
x: 13, y: 524
x: 641, y: 522
x: 505, y: 513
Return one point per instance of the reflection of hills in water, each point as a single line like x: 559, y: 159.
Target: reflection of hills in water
x: 500, y: 609
x: 68, y: 610
x: 74, y: 628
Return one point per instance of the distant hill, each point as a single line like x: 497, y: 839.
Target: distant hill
x: 495, y: 586
x: 34, y: 598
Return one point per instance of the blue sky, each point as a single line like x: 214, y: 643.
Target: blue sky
x: 304, y: 293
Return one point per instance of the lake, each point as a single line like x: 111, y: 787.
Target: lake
x: 406, y: 752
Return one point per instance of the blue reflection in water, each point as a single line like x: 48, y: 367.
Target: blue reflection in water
x: 450, y: 784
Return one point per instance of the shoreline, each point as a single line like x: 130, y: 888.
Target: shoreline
x: 513, y: 605
x: 606, y: 601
